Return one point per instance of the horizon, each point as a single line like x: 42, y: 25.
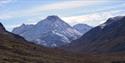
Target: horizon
x: 14, y: 12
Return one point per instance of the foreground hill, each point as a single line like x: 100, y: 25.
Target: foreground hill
x: 105, y: 38
x: 15, y: 49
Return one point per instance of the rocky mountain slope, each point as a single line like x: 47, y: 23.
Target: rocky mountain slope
x: 50, y: 32
x: 105, y: 38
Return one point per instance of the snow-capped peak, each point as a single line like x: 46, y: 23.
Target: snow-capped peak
x: 51, y: 30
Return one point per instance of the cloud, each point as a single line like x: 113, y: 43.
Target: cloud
x: 10, y: 27
x: 93, y: 19
x: 37, y: 10
x: 61, y: 6
x: 5, y: 16
x: 64, y: 5
x: 58, y: 6
x: 3, y: 2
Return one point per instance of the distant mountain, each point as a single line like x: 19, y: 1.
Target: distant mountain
x: 105, y: 38
x: 50, y: 32
x: 23, y: 28
x: 82, y: 28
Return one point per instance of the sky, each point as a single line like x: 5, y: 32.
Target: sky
x: 13, y: 13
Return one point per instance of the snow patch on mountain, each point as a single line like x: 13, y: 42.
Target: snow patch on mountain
x: 102, y: 25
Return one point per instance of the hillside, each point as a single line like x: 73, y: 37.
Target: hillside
x: 15, y: 50
x: 106, y: 38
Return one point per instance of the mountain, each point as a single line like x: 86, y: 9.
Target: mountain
x: 23, y: 28
x: 105, y: 38
x: 50, y: 32
x: 82, y: 28
x: 15, y: 49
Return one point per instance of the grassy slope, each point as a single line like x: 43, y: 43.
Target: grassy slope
x: 17, y: 50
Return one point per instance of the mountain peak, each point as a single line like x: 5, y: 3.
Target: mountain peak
x: 48, y: 32
x: 53, y: 17
x: 23, y: 24
x: 114, y: 19
x: 2, y: 28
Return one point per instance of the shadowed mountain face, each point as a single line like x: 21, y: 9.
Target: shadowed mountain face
x: 50, y: 32
x: 2, y: 29
x: 107, y: 37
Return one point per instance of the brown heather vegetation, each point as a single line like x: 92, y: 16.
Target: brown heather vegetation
x: 14, y: 49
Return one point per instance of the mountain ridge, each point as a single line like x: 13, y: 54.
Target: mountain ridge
x: 108, y: 39
x: 45, y: 30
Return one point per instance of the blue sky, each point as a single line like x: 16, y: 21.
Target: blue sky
x: 13, y: 13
